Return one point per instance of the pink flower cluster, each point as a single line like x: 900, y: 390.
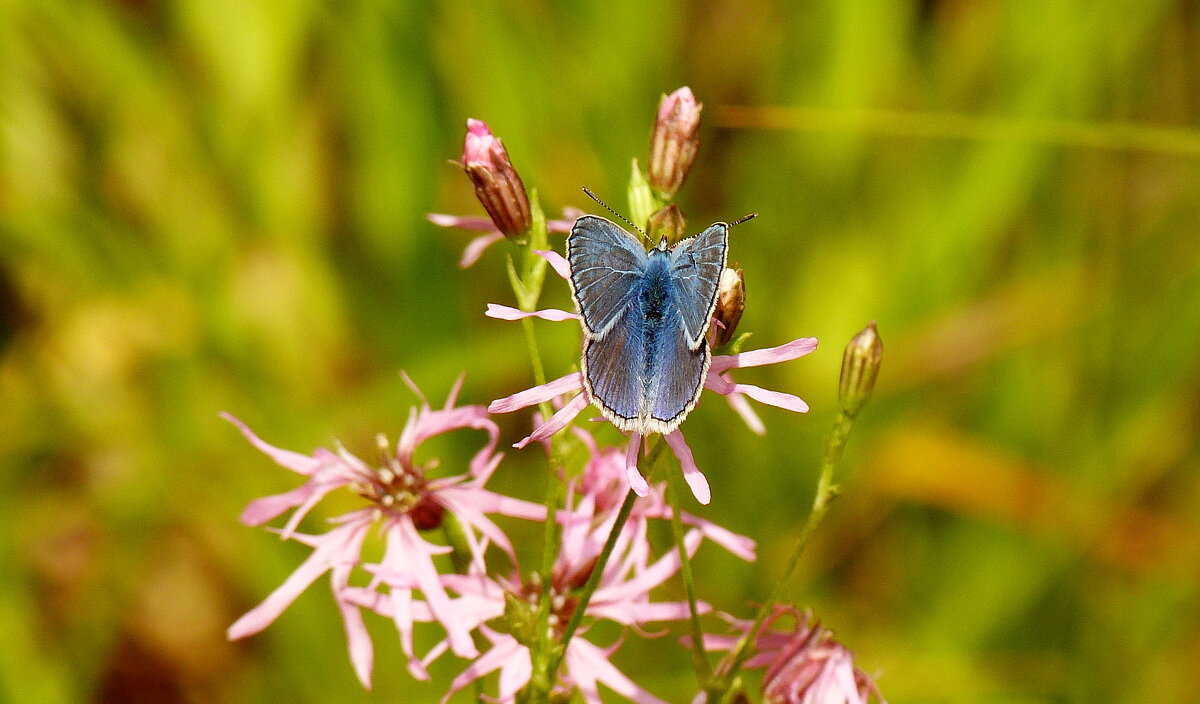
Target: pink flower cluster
x: 480, y: 606
x: 404, y: 503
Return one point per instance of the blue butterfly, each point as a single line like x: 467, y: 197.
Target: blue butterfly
x: 644, y: 315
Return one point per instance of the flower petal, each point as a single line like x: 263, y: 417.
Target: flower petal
x: 505, y: 653
x: 476, y: 247
x: 739, y: 545
x: 417, y: 559
x: 742, y: 408
x: 506, y: 313
x: 358, y: 640
x: 771, y: 355
x: 636, y: 481
x: 773, y: 398
x: 587, y: 665
x: 463, y: 222
x: 557, y: 422
x: 261, y: 510
x: 557, y: 262
x: 537, y: 394
x: 339, y: 545
x: 691, y: 473
x: 301, y: 464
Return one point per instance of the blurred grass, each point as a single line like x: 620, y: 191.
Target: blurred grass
x: 211, y: 206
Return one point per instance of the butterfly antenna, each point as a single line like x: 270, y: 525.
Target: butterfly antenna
x: 743, y: 219
x: 604, y: 205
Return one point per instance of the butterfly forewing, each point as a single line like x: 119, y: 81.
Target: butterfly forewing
x: 696, y: 265
x: 607, y: 267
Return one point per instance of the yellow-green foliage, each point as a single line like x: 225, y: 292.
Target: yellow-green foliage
x: 218, y: 205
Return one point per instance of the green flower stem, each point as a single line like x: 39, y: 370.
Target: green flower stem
x: 535, y: 359
x: 455, y: 536
x: 835, y: 443
x: 527, y: 288
x: 699, y: 656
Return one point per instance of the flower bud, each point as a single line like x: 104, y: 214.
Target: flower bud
x: 860, y: 367
x: 497, y: 184
x: 674, y: 142
x: 731, y: 301
x: 666, y: 222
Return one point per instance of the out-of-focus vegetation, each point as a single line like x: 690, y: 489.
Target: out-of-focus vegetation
x: 218, y: 205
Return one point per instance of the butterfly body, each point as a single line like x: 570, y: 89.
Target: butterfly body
x: 644, y: 316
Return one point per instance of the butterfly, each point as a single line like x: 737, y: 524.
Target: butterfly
x: 644, y: 316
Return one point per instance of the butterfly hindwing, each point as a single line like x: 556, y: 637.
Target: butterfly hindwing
x: 614, y: 368
x: 696, y: 265
x: 676, y: 374
x: 607, y: 267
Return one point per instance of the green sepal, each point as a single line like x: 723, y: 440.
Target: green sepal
x: 642, y: 201
x: 734, y: 346
x: 522, y: 622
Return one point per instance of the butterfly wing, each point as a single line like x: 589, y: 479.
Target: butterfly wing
x: 607, y: 267
x: 696, y: 265
x: 614, y: 368
x: 676, y: 374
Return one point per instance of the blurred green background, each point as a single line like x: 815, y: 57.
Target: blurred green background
x: 218, y: 205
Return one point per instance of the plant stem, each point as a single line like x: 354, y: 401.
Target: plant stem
x: 699, y: 656
x: 585, y: 594
x: 835, y: 444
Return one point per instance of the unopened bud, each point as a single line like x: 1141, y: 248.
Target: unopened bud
x: 666, y: 222
x: 731, y: 301
x: 497, y: 184
x: 860, y: 367
x: 522, y: 621
x: 674, y: 142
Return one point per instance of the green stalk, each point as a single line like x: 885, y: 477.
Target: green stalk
x: 827, y: 491
x: 585, y: 594
x: 699, y: 656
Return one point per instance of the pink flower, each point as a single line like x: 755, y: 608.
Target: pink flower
x: 622, y: 596
x: 604, y: 480
x: 476, y: 247
x: 718, y: 380
x: 401, y: 501
x: 805, y: 665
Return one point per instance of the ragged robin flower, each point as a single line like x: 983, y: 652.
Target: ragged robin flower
x: 401, y: 501
x: 622, y: 596
x: 804, y: 664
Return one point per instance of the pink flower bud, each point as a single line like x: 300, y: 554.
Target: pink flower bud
x: 731, y: 301
x: 674, y: 142
x: 497, y: 184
